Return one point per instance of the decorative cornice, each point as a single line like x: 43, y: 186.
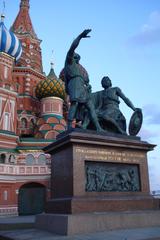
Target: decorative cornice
x: 29, y: 70
x: 8, y: 133
x: 10, y: 92
x: 35, y: 140
x: 27, y: 35
x: 7, y: 56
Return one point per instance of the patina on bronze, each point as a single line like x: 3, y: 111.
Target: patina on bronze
x: 108, y: 177
x: 77, y: 84
x: 135, y: 122
x: 100, y: 110
x: 109, y: 115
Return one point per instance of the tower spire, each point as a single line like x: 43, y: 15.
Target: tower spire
x: 23, y: 28
x: 23, y: 23
x: 2, y: 17
x: 24, y: 4
x: 52, y: 74
x: 3, y: 11
x: 52, y: 61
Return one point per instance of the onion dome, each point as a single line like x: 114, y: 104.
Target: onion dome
x: 51, y: 87
x: 9, y: 43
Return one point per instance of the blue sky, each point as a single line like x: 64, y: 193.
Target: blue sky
x: 124, y: 44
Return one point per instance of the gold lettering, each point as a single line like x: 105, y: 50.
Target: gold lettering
x: 105, y: 154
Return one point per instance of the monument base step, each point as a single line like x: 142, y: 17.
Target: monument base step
x: 71, y: 224
x: 77, y: 205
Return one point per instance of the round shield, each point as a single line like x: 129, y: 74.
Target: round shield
x: 135, y: 122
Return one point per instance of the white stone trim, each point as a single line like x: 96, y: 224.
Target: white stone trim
x: 11, y: 136
x: 6, y: 210
x: 5, y: 72
x: 23, y: 170
x: 10, y: 143
x: 7, y: 121
x: 8, y: 91
x: 15, y: 179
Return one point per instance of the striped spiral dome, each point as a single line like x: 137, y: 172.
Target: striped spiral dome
x: 9, y: 43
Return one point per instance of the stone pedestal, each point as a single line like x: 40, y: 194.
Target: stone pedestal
x: 97, y: 173
x: 71, y: 224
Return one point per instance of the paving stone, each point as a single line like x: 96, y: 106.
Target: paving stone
x: 127, y: 234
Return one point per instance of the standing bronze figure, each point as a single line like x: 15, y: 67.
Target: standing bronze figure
x: 77, y: 84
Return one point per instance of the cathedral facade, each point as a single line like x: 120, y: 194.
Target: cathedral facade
x: 31, y: 116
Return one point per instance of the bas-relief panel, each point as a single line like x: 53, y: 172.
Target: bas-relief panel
x: 111, y: 170
x: 105, y: 177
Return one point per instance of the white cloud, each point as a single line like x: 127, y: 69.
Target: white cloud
x: 154, y: 176
x: 151, y: 114
x: 149, y: 33
x: 147, y: 134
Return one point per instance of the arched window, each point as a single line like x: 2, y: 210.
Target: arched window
x: 11, y: 159
x: 2, y: 158
x: 32, y: 123
x: 30, y: 160
x: 7, y: 86
x: 17, y: 87
x: 7, y: 121
x: 5, y: 72
x: 34, y: 92
x: 42, y: 159
x: 23, y: 123
x: 5, y: 195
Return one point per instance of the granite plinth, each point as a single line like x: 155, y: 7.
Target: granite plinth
x: 70, y: 153
x: 84, y: 201
x: 96, y: 222
x: 77, y: 205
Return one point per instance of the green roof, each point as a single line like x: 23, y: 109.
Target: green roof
x: 35, y: 140
x: 26, y: 111
x: 8, y: 132
x: 8, y: 150
x: 29, y: 148
x: 52, y: 115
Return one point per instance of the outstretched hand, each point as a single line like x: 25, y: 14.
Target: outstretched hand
x: 84, y: 34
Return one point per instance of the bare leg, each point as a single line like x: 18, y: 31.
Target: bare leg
x: 93, y: 116
x: 72, y: 114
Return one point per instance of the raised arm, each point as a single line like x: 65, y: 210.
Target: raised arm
x: 125, y: 99
x: 75, y: 44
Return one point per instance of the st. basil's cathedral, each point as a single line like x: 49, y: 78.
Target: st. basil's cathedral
x: 33, y: 110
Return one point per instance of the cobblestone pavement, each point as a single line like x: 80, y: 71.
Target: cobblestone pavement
x: 127, y: 234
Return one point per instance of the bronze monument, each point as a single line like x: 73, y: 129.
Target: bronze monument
x: 98, y: 110
x: 98, y: 169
